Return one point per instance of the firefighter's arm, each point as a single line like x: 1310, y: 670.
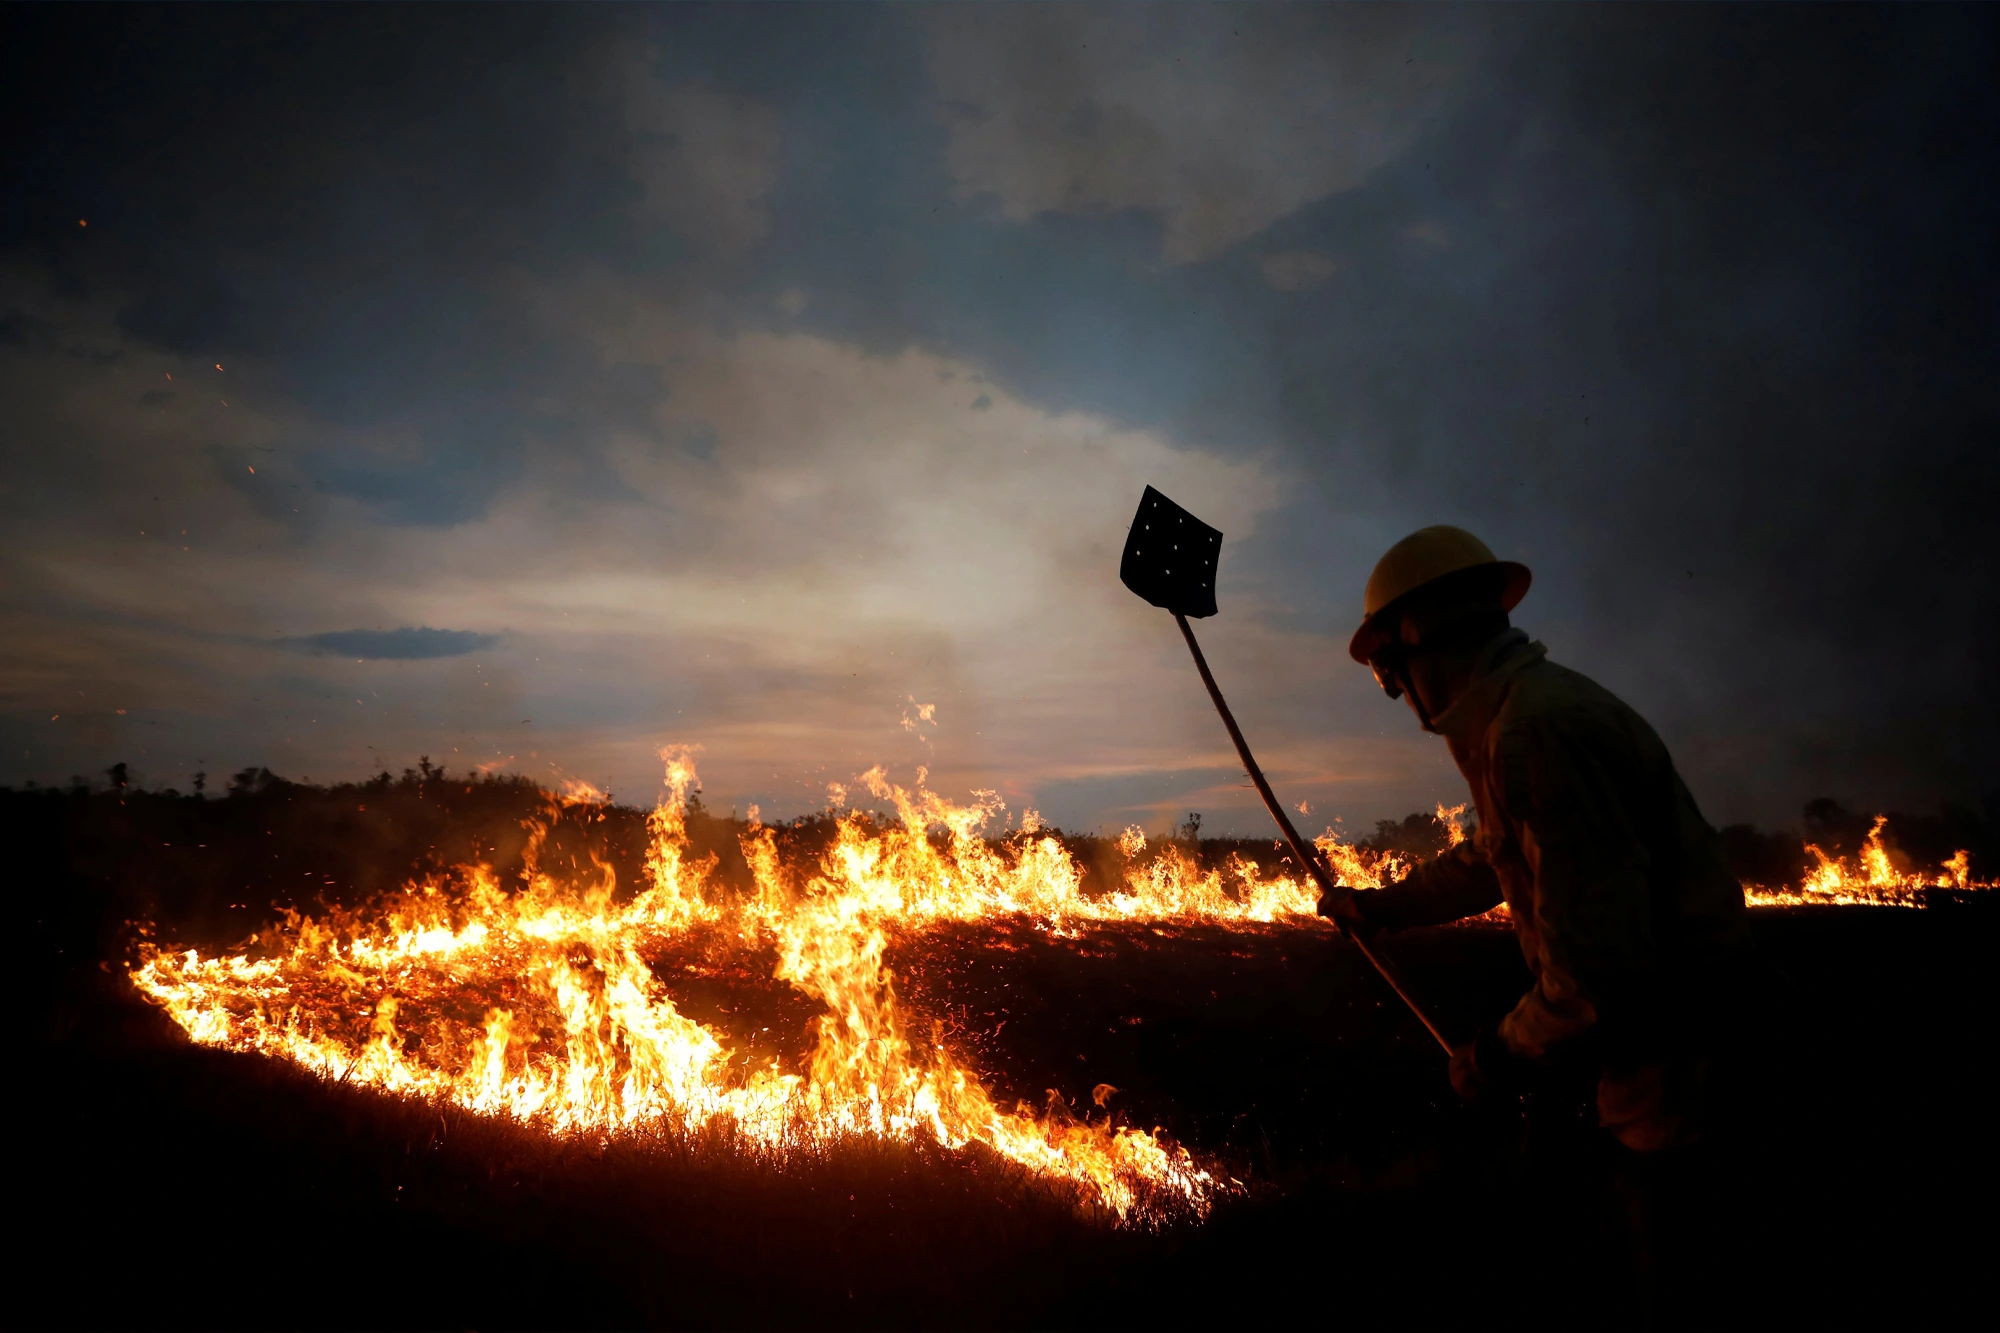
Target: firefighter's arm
x: 1593, y: 916
x: 1450, y: 887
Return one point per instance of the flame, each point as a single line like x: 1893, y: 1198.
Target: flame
x: 1453, y: 819
x: 575, y: 791
x: 1960, y: 869
x: 1359, y: 867
x: 1869, y: 879
x: 539, y: 1004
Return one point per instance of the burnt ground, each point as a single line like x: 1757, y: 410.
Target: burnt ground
x: 158, y: 1184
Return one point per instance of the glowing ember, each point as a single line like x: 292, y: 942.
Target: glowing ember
x: 538, y: 1003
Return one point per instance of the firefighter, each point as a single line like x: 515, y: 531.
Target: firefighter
x: 1631, y: 923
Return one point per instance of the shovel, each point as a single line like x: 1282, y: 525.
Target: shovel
x: 1170, y: 560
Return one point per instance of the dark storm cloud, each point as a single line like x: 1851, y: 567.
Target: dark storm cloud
x: 331, y: 196
x: 1694, y: 308
x: 398, y: 645
x: 1720, y: 312
x: 1691, y: 308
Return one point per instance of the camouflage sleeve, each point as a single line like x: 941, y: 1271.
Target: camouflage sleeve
x: 1562, y: 789
x: 1450, y: 887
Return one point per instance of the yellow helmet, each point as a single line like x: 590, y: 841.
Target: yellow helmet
x: 1421, y: 559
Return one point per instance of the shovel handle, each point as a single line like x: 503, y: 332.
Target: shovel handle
x: 1308, y: 857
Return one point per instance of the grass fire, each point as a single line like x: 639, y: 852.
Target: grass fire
x: 1086, y: 1033
x: 550, y: 1000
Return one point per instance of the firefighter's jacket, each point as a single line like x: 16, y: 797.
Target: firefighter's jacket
x: 1626, y: 911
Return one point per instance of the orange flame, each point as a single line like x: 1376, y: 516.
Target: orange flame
x: 538, y: 1004
x: 588, y: 1039
x: 575, y: 791
x: 1870, y: 879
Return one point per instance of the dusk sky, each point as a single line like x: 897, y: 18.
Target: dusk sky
x: 535, y: 387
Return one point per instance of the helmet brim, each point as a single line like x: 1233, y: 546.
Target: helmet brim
x: 1377, y: 630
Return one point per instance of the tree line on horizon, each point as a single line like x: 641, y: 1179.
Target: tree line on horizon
x: 1760, y: 856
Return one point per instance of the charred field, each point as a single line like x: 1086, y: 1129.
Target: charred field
x: 166, y: 1183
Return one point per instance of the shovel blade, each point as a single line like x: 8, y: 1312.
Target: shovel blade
x: 1170, y: 557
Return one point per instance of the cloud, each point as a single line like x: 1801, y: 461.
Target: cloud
x: 706, y: 158
x: 1219, y: 119
x: 398, y: 645
x: 793, y: 537
x: 637, y: 358
x: 1296, y: 270
x: 1428, y: 234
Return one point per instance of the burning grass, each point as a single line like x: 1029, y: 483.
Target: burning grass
x: 546, y: 1003
x: 219, y: 1186
x: 561, y: 1001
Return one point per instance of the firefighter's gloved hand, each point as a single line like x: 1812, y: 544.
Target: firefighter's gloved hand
x: 1484, y: 1067
x: 1345, y: 906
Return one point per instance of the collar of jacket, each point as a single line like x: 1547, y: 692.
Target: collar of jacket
x: 1466, y: 720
